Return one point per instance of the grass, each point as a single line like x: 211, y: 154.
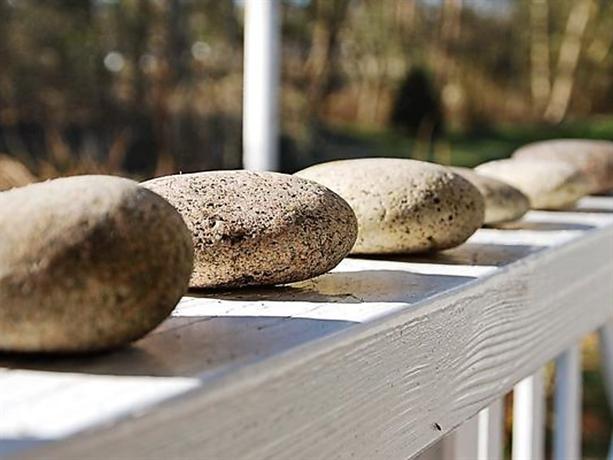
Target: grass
x: 457, y: 148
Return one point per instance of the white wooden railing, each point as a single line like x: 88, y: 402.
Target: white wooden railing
x: 384, y: 358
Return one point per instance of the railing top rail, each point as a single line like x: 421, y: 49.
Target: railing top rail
x: 380, y: 357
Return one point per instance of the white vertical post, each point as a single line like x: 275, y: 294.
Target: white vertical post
x: 491, y: 431
x: 605, y: 339
x: 478, y: 438
x: 529, y: 418
x: 567, y: 433
x: 605, y: 336
x: 261, y: 85
x: 462, y: 443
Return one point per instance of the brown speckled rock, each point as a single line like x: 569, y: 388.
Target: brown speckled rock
x: 87, y: 263
x: 593, y: 158
x: 259, y: 228
x: 403, y: 206
x: 503, y: 202
x: 548, y: 184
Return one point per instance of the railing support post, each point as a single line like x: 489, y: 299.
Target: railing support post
x: 605, y: 338
x: 491, y: 431
x: 479, y: 438
x: 261, y: 85
x: 567, y: 433
x: 528, y: 418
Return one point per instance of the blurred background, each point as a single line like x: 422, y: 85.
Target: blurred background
x: 150, y: 87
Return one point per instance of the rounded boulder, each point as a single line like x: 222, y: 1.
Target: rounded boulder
x: 259, y: 228
x: 403, y: 206
x: 503, y: 202
x: 87, y: 263
x: 548, y: 184
x: 594, y: 158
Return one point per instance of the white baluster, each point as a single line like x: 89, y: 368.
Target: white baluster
x: 605, y: 335
x: 261, y: 85
x: 567, y: 433
x: 529, y: 418
x: 491, y: 431
x: 463, y: 442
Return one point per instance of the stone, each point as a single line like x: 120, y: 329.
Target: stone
x: 403, y: 206
x: 548, y: 184
x: 259, y: 228
x: 593, y: 157
x: 87, y: 263
x: 503, y: 202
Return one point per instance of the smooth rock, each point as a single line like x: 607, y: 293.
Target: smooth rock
x: 403, y: 206
x: 503, y: 202
x: 594, y: 158
x: 259, y: 228
x: 548, y: 184
x: 87, y: 263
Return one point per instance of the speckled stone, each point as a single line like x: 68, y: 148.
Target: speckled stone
x: 593, y: 158
x: 403, y: 206
x: 87, y: 263
x: 503, y: 202
x: 548, y: 184
x: 259, y: 228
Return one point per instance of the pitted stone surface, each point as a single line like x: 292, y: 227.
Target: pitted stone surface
x: 594, y: 158
x: 403, y: 206
x: 548, y: 184
x: 87, y: 263
x: 503, y: 202
x: 259, y: 228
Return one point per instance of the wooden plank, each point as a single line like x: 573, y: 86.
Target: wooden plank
x: 529, y: 418
x: 567, y: 408
x: 370, y: 360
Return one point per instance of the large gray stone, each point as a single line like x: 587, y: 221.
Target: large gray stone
x: 549, y: 184
x: 259, y: 228
x: 403, y: 206
x: 503, y: 202
x: 87, y: 263
x: 593, y: 158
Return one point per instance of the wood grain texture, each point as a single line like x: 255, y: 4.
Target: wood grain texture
x: 377, y: 360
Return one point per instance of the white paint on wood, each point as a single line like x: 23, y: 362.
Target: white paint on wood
x: 605, y: 336
x: 529, y: 418
x: 596, y: 204
x: 463, y: 442
x: 261, y: 85
x: 48, y: 405
x: 567, y: 407
x: 478, y: 438
x: 491, y: 431
x: 367, y: 360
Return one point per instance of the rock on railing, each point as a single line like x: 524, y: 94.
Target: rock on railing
x: 381, y: 358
